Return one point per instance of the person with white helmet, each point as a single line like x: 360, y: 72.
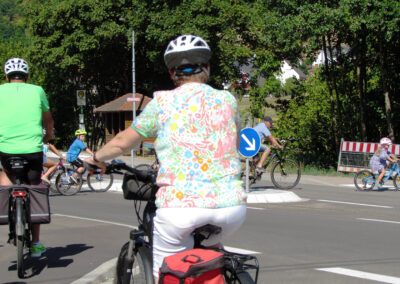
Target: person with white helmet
x: 197, y: 134
x: 24, y: 112
x: 379, y: 160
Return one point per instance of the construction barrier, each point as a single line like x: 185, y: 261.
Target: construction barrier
x: 355, y: 156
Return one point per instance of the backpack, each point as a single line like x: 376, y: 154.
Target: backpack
x: 193, y: 266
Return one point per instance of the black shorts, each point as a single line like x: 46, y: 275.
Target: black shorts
x: 33, y: 168
x: 77, y: 163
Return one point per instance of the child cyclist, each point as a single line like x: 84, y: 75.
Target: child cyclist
x: 76, y: 148
x: 379, y: 160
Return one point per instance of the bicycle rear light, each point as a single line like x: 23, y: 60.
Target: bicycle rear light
x: 18, y: 193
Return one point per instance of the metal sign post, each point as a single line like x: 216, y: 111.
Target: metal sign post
x: 81, y: 101
x: 250, y: 143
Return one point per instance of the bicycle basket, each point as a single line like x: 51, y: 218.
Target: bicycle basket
x: 137, y: 190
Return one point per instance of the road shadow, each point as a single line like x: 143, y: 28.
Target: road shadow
x: 54, y: 257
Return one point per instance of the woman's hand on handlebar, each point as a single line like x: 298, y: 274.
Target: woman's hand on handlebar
x: 100, y: 165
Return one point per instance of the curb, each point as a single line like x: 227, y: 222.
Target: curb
x: 273, y: 196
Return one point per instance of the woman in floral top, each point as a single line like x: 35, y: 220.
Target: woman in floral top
x: 197, y: 136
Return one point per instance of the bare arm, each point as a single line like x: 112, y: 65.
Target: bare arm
x: 274, y: 142
x: 123, y: 142
x: 48, y: 124
x: 89, y: 151
x: 55, y: 151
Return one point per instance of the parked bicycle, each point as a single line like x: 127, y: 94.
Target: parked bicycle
x: 134, y: 263
x: 25, y: 205
x: 366, y: 180
x: 285, y: 173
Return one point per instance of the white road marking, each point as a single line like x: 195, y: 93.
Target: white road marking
x: 352, y: 185
x: 352, y: 203
x: 242, y: 251
x: 231, y: 249
x: 97, y: 275
x: 96, y: 220
x: 255, y: 208
x: 362, y: 274
x: 379, y: 220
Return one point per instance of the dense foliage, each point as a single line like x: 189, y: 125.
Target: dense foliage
x: 87, y: 44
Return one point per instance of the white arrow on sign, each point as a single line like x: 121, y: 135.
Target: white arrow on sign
x: 252, y: 145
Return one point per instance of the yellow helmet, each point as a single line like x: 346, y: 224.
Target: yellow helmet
x: 80, y: 132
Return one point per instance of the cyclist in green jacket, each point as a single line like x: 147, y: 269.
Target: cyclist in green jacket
x: 24, y: 112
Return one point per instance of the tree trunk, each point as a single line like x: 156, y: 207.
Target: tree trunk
x: 332, y: 72
x: 334, y: 122
x: 362, y: 81
x: 384, y: 76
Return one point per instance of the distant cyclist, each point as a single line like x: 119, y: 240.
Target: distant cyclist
x: 76, y: 148
x: 24, y: 112
x: 197, y: 129
x: 379, y: 160
x: 49, y: 163
x: 264, y: 133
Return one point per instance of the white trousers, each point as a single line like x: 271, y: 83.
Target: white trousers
x: 173, y: 228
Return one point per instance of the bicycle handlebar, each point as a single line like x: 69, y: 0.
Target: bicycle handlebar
x: 146, y: 176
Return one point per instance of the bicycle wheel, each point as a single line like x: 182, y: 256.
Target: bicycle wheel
x: 138, y: 272
x: 253, y: 175
x: 143, y: 167
x: 53, y: 185
x: 244, y: 278
x: 20, y: 236
x: 285, y: 174
x: 99, y: 182
x: 69, y: 182
x: 396, y: 182
x: 364, y: 180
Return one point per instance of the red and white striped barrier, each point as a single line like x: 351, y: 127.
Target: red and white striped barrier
x: 366, y: 147
x: 354, y: 148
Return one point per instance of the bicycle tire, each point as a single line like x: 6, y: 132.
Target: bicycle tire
x: 253, y: 175
x: 396, y: 182
x: 285, y: 174
x: 66, y: 182
x: 143, y: 167
x: 20, y: 236
x: 364, y: 180
x: 244, y: 278
x: 100, y: 182
x: 142, y: 263
x: 52, y: 186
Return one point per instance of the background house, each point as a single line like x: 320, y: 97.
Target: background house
x: 118, y: 115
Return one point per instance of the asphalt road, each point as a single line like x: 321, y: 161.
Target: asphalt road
x: 335, y: 235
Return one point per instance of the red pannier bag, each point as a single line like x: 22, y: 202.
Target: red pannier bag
x: 195, y: 266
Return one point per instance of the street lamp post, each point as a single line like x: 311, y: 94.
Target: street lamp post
x: 133, y: 87
x: 133, y: 99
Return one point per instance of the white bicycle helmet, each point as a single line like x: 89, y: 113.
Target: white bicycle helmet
x: 385, y: 141
x: 187, y: 50
x: 16, y: 65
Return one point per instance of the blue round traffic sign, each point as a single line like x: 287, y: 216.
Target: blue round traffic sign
x: 249, y: 142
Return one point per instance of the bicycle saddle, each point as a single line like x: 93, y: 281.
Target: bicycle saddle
x: 207, y: 230
x: 17, y: 166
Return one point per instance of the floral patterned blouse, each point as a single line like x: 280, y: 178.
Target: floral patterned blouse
x: 196, y: 130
